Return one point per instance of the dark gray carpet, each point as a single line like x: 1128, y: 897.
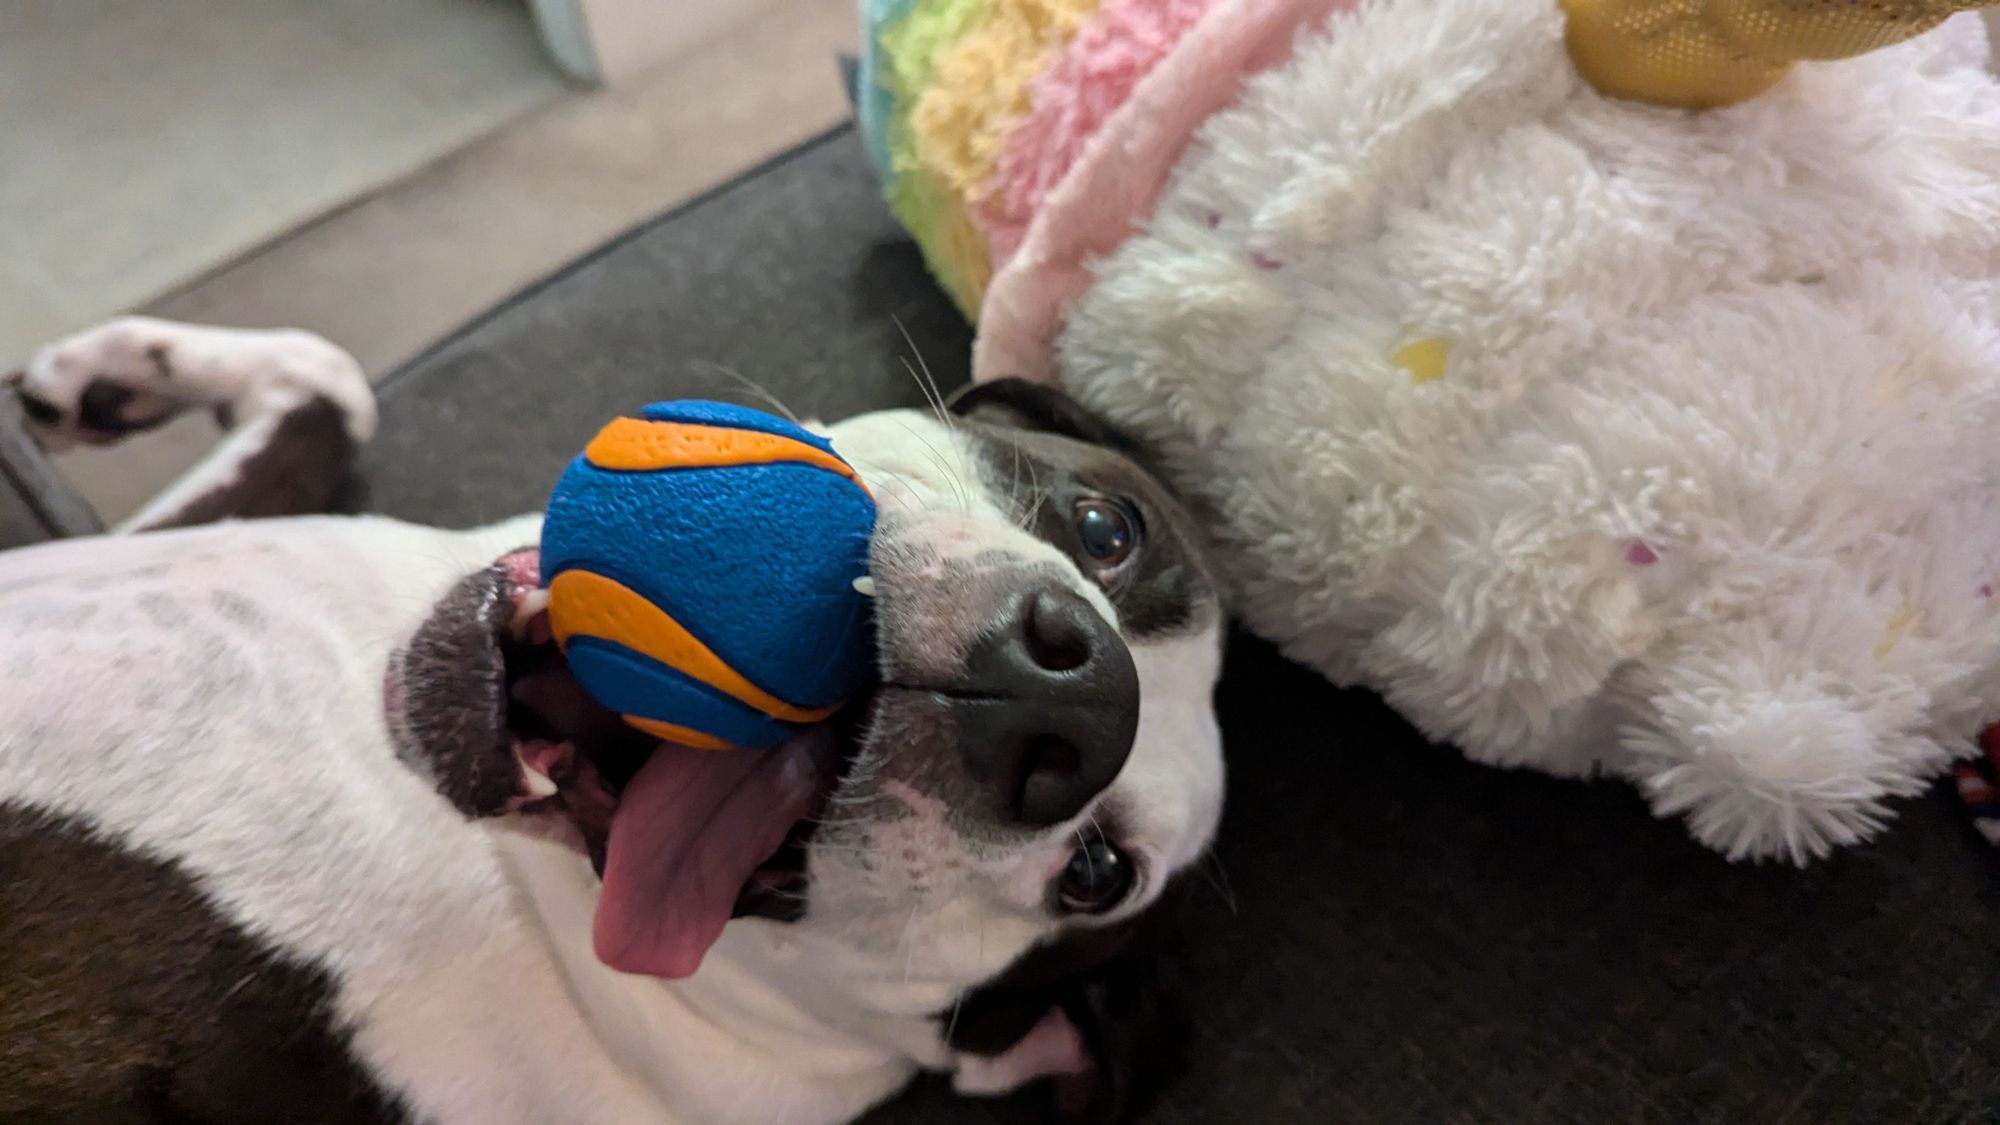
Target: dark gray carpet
x: 1404, y: 937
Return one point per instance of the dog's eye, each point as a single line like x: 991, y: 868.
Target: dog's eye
x: 1106, y: 530
x: 1097, y: 878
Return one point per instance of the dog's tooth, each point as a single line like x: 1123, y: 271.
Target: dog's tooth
x: 539, y: 786
x: 534, y: 603
x: 538, y: 630
x: 865, y: 585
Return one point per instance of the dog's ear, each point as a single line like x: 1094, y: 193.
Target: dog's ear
x: 1028, y: 405
x: 1089, y: 1013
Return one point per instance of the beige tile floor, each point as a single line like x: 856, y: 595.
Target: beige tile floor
x: 146, y: 143
x: 396, y: 270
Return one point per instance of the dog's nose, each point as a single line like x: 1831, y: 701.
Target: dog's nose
x: 1050, y: 705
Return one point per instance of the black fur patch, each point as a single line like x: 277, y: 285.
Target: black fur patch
x: 125, y: 996
x: 1027, y: 405
x: 298, y: 471
x: 158, y: 354
x: 1044, y: 473
x: 39, y: 409
x: 454, y: 704
x: 101, y: 409
x: 1111, y: 983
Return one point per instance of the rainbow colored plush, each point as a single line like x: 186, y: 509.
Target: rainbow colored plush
x: 1019, y: 139
x: 701, y: 561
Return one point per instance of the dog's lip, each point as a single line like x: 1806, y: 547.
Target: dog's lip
x: 521, y: 570
x: 444, y: 700
x: 483, y: 702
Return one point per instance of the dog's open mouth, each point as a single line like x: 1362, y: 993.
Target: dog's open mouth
x: 685, y: 838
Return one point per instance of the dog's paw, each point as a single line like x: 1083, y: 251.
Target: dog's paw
x: 135, y: 373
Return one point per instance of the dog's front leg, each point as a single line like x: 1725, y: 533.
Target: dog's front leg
x: 296, y: 406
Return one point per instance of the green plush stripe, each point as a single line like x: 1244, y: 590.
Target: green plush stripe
x: 910, y: 47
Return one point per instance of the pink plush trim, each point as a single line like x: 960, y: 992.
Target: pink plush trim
x: 1090, y: 78
x: 1119, y: 172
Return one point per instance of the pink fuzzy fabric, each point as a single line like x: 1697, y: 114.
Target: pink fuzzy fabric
x: 1112, y: 182
x: 1092, y: 76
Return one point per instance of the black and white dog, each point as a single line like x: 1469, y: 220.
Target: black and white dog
x: 304, y: 820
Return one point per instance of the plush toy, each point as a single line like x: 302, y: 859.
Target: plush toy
x: 1609, y: 389
x: 706, y: 567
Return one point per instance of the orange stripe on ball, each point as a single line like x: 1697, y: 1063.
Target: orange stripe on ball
x: 686, y: 736
x: 635, y: 445
x: 591, y: 605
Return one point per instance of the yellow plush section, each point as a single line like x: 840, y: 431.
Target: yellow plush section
x: 1698, y: 54
x: 980, y: 86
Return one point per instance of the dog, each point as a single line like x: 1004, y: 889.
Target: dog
x: 303, y: 819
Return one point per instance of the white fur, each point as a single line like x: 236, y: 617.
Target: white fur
x: 257, y: 373
x: 1763, y: 342
x: 170, y: 364
x: 214, y: 698
x: 1049, y: 1048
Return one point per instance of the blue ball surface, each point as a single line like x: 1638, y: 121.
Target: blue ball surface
x: 712, y: 552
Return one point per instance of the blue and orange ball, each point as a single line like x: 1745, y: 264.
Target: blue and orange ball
x: 701, y: 561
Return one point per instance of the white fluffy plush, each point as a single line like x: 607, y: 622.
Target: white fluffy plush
x: 1705, y: 493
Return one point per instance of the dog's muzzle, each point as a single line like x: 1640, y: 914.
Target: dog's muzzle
x: 1047, y: 706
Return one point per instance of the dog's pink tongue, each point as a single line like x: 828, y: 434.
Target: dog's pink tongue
x: 690, y: 830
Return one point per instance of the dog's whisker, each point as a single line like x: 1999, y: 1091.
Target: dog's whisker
x: 1037, y: 496
x: 944, y: 468
x: 751, y: 386
x: 934, y: 394
x: 1217, y: 877
x: 1022, y: 465
x: 1091, y: 816
x: 909, y: 941
x: 958, y: 1002
x: 936, y: 408
x: 877, y: 478
x: 1024, y: 471
x: 950, y: 474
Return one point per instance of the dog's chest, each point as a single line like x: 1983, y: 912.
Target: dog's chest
x: 209, y: 705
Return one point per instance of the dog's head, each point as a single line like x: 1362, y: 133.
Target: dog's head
x: 983, y: 838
